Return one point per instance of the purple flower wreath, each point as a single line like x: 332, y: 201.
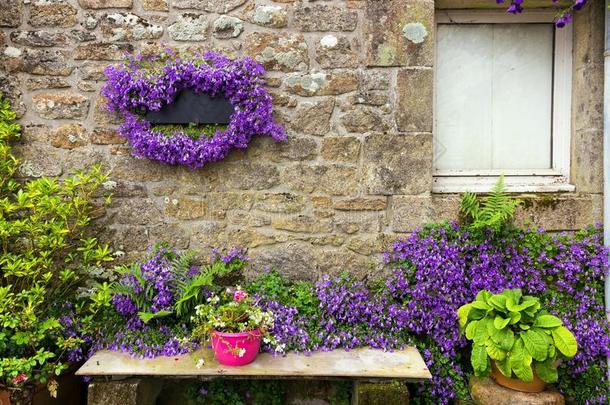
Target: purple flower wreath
x: 145, y: 84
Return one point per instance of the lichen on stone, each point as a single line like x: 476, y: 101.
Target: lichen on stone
x: 415, y: 32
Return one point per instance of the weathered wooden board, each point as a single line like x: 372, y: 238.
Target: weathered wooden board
x: 362, y: 363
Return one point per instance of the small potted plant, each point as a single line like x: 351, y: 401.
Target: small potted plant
x: 514, y: 340
x: 235, y: 325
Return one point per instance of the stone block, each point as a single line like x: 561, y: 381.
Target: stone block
x: 394, y: 393
x: 226, y: 27
x: 39, y: 62
x: 38, y: 38
x: 66, y: 105
x: 189, y: 27
x: 11, y: 13
x: 313, y: 118
x: 37, y: 160
x: 69, y: 136
x: 283, y: 52
x: 266, y: 15
x: 484, y: 391
x: 301, y: 223
x: 211, y: 6
x: 361, y: 204
x: 106, y: 136
x: 155, y: 5
x: 398, y: 164
x: 321, y: 84
x: 98, y: 4
x: 46, y: 82
x: 556, y: 212
x: 587, y: 161
x: 128, y: 27
x: 414, y: 95
x: 102, y: 51
x: 141, y: 211
x: 295, y: 260
x: 286, y: 203
x: 588, y: 97
x: 185, y: 208
x: 346, y: 222
x: 588, y: 24
x: 295, y: 148
x: 53, y: 13
x: 330, y: 179
x: 337, y: 51
x: 361, y: 119
x: 399, y: 32
x: 341, y: 149
x: 410, y: 212
x: 132, y: 391
x: 322, y: 17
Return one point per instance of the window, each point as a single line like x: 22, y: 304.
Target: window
x: 502, y: 101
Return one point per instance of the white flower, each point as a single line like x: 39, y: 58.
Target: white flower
x: 200, y: 363
x: 241, y: 352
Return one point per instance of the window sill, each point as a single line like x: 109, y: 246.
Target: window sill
x: 514, y: 184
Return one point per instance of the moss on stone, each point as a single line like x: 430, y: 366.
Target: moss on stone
x: 394, y: 393
x: 547, y: 200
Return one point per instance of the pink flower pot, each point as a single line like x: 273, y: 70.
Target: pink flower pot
x: 236, y: 349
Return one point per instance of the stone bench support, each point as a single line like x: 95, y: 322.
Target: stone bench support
x: 144, y: 391
x: 128, y: 391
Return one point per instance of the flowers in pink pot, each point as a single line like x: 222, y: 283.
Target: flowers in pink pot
x: 239, y: 295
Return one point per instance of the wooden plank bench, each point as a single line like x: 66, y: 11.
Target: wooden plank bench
x: 126, y: 380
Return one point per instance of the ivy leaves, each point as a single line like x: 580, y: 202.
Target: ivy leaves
x: 512, y: 331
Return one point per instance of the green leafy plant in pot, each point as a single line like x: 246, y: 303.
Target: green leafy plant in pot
x: 515, y: 340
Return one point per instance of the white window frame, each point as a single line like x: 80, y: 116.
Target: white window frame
x: 534, y: 180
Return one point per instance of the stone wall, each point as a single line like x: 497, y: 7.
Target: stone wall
x: 352, y: 82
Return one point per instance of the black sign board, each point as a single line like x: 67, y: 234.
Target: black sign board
x: 189, y: 107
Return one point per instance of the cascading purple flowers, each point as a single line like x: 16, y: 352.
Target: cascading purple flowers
x: 438, y: 270
x: 434, y: 272
x: 134, y: 88
x: 564, y: 18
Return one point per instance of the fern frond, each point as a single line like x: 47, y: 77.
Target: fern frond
x: 496, y: 210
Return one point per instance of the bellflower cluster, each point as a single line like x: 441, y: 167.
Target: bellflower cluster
x: 434, y: 272
x: 148, y: 84
x: 441, y: 268
x: 152, y: 300
x: 564, y: 17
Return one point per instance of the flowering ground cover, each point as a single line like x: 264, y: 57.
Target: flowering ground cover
x: 434, y: 272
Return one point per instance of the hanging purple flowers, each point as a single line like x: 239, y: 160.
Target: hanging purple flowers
x: 144, y: 84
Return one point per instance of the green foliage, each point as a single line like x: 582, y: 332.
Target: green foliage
x: 512, y: 331
x: 246, y: 392
x: 46, y: 254
x: 341, y: 393
x: 188, y: 289
x: 192, y: 130
x: 494, y: 212
x: 298, y: 294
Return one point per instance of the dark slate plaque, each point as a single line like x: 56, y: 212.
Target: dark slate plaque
x: 189, y: 107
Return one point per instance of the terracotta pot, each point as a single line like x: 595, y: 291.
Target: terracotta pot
x: 537, y: 385
x: 5, y: 397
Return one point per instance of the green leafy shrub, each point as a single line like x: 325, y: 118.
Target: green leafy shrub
x: 46, y: 254
x: 512, y: 331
